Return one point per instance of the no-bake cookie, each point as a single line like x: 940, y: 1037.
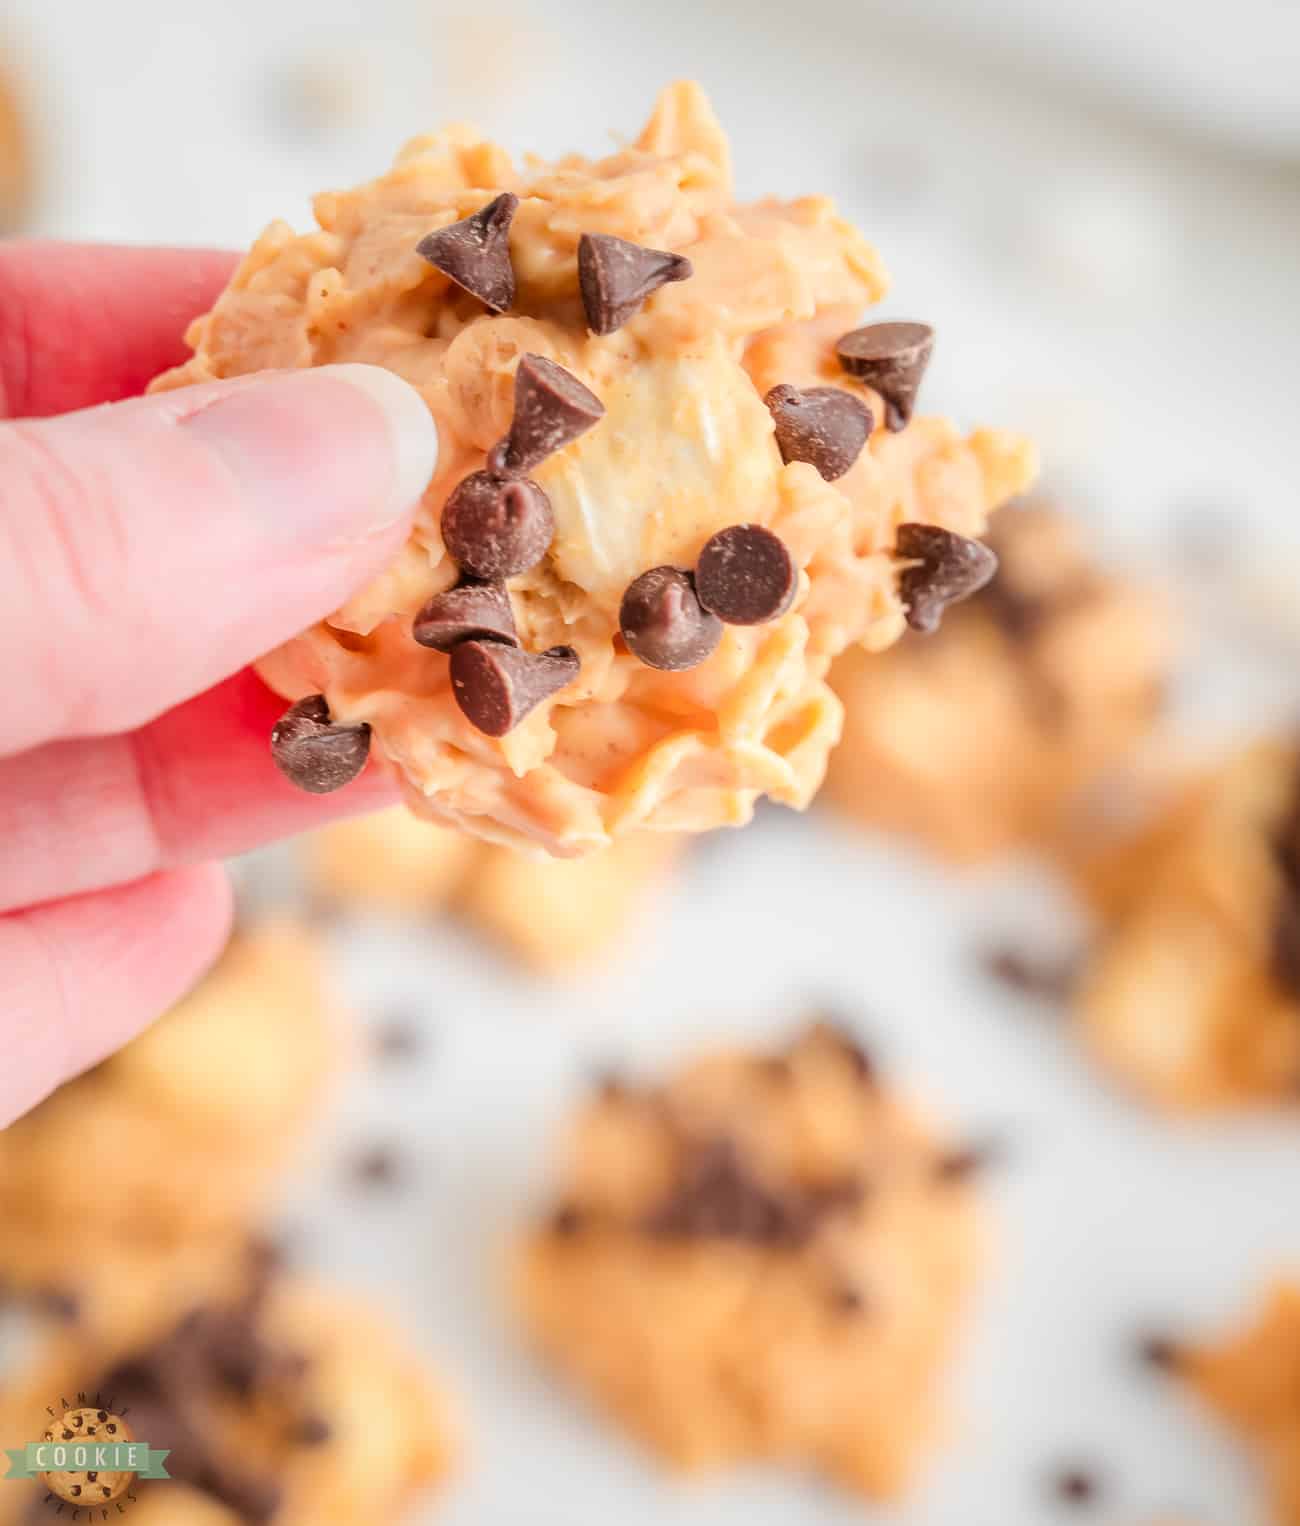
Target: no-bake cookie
x: 557, y: 915
x: 765, y: 1258
x: 1192, y: 993
x: 983, y: 737
x: 677, y: 476
x: 138, y: 1173
x: 280, y: 1404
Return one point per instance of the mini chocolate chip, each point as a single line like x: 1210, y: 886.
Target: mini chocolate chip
x: 90, y: 1430
x: 745, y: 575
x: 567, y: 1221
x: 846, y: 1299
x: 617, y: 276
x: 76, y: 1491
x: 313, y: 752
x: 93, y: 1477
x: 497, y: 527
x: 891, y: 358
x: 472, y: 612
x: 970, y: 1161
x: 475, y: 252
x: 1076, y: 1486
x: 377, y: 1167
x: 824, y: 426
x: 951, y: 568
x: 1160, y: 1352
x: 663, y: 622
x: 103, y: 1414
x: 77, y: 1420
x: 313, y: 1431
x: 1051, y: 979
x: 67, y: 1435
x: 552, y: 408
x: 496, y: 686
x: 105, y: 1491
x: 398, y: 1039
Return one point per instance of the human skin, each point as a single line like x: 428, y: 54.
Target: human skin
x: 149, y: 550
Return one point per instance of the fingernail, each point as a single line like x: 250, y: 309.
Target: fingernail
x: 327, y: 454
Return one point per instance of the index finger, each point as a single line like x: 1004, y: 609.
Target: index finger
x: 84, y: 324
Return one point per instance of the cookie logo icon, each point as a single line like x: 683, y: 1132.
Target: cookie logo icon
x: 81, y: 1434
x: 88, y: 1459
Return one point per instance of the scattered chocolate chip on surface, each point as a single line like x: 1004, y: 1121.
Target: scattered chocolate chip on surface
x: 496, y: 686
x: 398, y: 1038
x: 552, y: 408
x: 471, y: 612
x: 313, y: 752
x: 616, y: 277
x: 891, y: 358
x: 969, y: 1161
x: 1075, y: 1485
x: 664, y: 623
x: 950, y: 569
x: 1053, y: 980
x: 824, y: 426
x: 1159, y: 1351
x: 377, y: 1167
x: 475, y: 252
x: 745, y: 575
x: 496, y: 527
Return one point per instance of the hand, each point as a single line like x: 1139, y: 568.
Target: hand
x: 148, y: 551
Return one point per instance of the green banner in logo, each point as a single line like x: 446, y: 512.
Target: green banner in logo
x: 77, y: 1456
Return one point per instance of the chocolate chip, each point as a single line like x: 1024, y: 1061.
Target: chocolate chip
x: 567, y: 1221
x: 399, y: 1038
x: 105, y: 1491
x: 377, y: 1167
x: 112, y: 1430
x: 951, y: 568
x: 1076, y: 1486
x: 1051, y: 979
x: 663, y: 622
x: 617, y: 276
x: 855, y: 1054
x: 496, y: 686
x: 745, y: 575
x: 825, y: 426
x: 891, y: 358
x: 313, y: 752
x: 1159, y: 1352
x: 92, y: 1477
x: 472, y: 612
x: 716, y: 1195
x: 552, y: 408
x: 475, y: 252
x: 313, y: 1431
x: 497, y: 527
x: 76, y: 1491
x: 846, y: 1299
x: 102, y: 1414
x: 67, y: 1435
x: 959, y: 1166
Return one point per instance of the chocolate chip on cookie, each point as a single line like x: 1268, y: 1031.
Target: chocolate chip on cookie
x: 496, y: 686
x: 745, y: 575
x: 552, y: 408
x: 948, y: 568
x: 471, y: 612
x: 496, y: 527
x: 891, y: 358
x: 475, y: 252
x: 314, y: 752
x: 664, y: 623
x: 616, y: 277
x: 824, y: 426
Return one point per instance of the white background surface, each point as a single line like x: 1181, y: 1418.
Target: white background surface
x: 1112, y: 269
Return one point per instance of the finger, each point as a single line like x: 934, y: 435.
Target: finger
x: 83, y: 976
x: 151, y: 548
x: 91, y: 324
x: 197, y: 784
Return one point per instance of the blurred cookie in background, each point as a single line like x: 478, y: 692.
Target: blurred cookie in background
x: 1251, y: 1381
x: 765, y: 1258
x: 983, y: 737
x: 16, y: 168
x: 147, y: 1168
x: 557, y: 916
x: 280, y: 1403
x: 1192, y: 993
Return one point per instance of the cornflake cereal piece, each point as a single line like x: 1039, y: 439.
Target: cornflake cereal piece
x: 1193, y: 992
x: 987, y: 735
x: 596, y: 340
x: 557, y: 916
x: 280, y: 1405
x: 765, y: 1258
x: 1251, y: 1381
x: 196, y: 1117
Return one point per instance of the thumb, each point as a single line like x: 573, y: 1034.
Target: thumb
x: 150, y: 548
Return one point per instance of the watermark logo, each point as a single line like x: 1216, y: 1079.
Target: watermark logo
x: 88, y: 1459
